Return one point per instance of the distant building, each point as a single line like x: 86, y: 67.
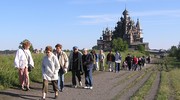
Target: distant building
x: 125, y: 29
x: 105, y: 41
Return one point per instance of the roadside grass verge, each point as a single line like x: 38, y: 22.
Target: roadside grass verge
x: 175, y: 81
x: 134, y: 73
x: 164, y: 90
x: 143, y: 91
x: 117, y: 97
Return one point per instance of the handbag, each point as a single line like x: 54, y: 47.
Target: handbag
x: 30, y: 67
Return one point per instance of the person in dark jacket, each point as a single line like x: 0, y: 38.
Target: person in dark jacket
x: 140, y: 63
x: 110, y: 61
x: 75, y: 66
x: 88, y: 61
x: 128, y: 59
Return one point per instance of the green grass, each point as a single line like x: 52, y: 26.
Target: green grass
x: 174, y: 75
x: 117, y: 97
x: 169, y: 85
x: 164, y: 90
x: 9, y: 75
x: 143, y: 91
x: 36, y: 74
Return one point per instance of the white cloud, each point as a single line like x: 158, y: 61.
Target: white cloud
x: 97, y: 19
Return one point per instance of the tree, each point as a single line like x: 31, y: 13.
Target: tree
x: 95, y: 47
x: 141, y: 48
x: 31, y: 48
x: 119, y: 45
x: 178, y: 54
x: 173, y: 51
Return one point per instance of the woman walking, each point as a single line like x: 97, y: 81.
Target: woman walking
x: 50, y: 68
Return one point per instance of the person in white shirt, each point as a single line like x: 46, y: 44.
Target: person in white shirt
x: 117, y: 61
x: 22, y: 59
x: 50, y: 69
x: 102, y: 60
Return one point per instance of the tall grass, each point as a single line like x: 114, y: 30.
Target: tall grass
x: 36, y: 74
x: 174, y: 75
x: 9, y: 75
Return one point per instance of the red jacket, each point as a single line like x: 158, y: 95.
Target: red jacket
x: 135, y: 60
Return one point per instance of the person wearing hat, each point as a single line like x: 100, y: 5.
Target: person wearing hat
x: 22, y: 59
x: 75, y: 66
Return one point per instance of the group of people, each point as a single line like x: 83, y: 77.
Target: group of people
x: 134, y: 63
x: 130, y: 63
x: 56, y: 63
x: 54, y: 66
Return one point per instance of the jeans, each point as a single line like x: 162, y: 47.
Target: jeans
x: 61, y: 79
x: 88, y: 77
x: 111, y: 65
x: 117, y: 67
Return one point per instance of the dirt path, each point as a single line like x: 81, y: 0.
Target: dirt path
x: 107, y: 86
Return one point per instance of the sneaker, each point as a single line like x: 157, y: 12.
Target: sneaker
x: 80, y: 83
x: 86, y: 87
x: 91, y: 87
x: 74, y: 86
x: 56, y: 95
x: 42, y: 99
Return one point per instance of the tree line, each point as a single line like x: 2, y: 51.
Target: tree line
x: 174, y: 51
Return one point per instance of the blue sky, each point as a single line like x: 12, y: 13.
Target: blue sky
x: 80, y: 22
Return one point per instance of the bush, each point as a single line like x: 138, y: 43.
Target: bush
x: 119, y: 45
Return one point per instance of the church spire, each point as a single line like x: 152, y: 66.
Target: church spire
x: 138, y: 24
